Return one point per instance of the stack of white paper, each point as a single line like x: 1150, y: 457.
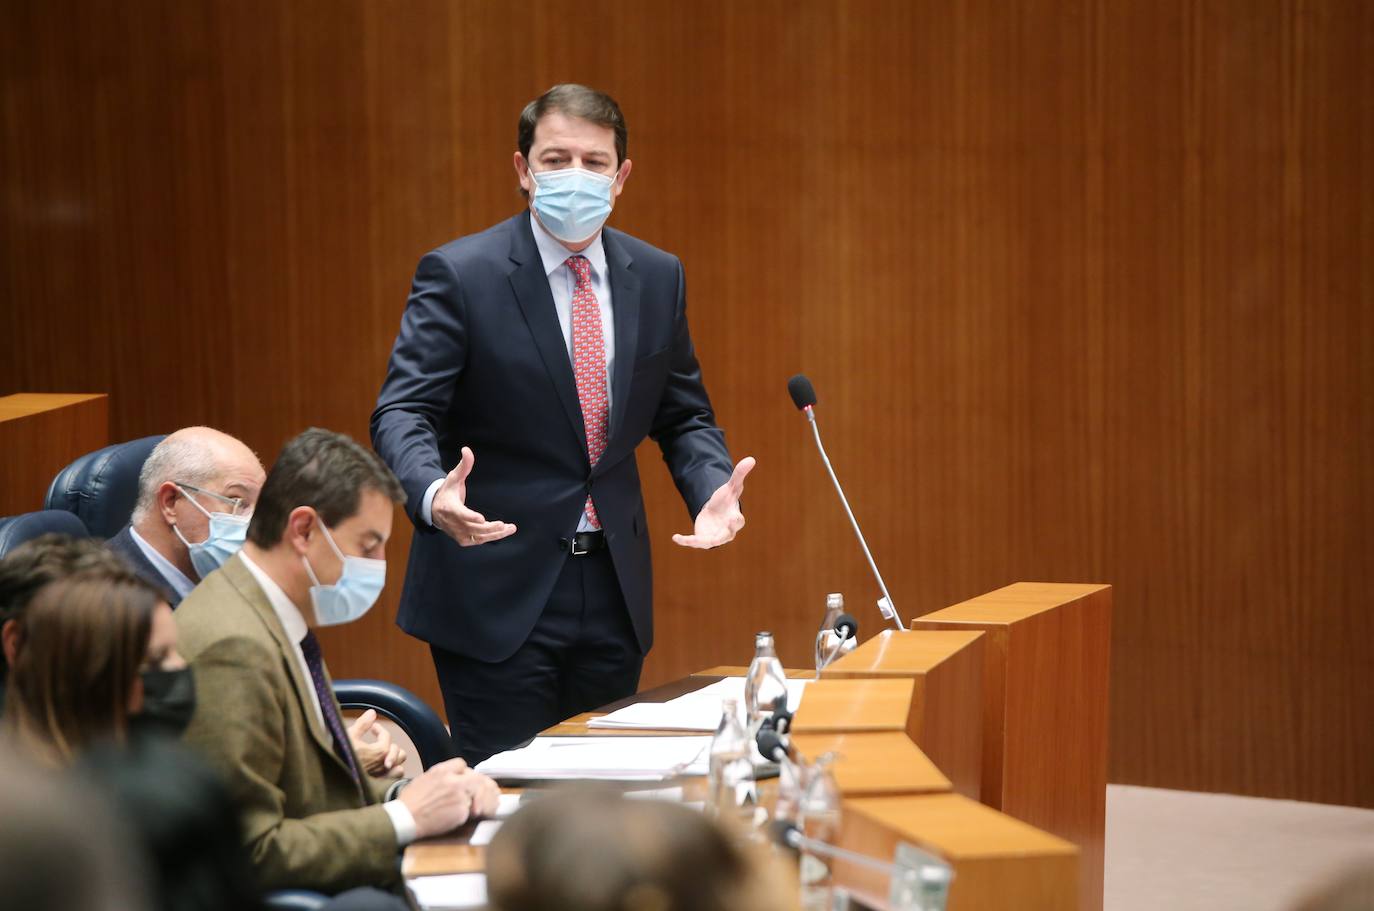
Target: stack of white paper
x: 602, y: 758
x: 454, y: 892
x: 695, y: 711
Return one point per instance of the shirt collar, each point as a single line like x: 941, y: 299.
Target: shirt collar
x: 554, y: 254
x: 286, y: 611
x: 180, y: 582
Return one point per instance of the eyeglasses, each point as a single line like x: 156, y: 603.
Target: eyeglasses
x: 235, y: 503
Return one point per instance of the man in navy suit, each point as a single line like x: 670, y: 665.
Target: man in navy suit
x: 195, y: 494
x: 547, y: 347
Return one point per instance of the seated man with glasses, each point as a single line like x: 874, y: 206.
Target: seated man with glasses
x: 195, y: 496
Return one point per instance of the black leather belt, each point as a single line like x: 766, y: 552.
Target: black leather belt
x: 583, y: 543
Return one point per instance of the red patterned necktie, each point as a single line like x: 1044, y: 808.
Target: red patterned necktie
x: 589, y: 366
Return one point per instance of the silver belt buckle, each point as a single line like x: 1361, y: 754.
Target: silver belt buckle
x: 572, y: 548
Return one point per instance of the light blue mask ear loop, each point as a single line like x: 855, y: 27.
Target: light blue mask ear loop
x: 360, y: 584
x: 210, y: 554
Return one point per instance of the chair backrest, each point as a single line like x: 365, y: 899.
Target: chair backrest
x: 15, y: 530
x: 101, y: 487
x: 421, y: 723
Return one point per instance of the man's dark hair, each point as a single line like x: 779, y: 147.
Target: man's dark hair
x: 324, y: 470
x: 47, y: 558
x: 578, y: 101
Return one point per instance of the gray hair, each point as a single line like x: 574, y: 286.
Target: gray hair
x: 182, y: 460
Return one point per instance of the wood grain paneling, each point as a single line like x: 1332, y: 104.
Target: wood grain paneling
x: 40, y: 434
x: 1086, y: 288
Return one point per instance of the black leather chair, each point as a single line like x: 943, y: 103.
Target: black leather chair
x: 101, y: 487
x: 15, y: 530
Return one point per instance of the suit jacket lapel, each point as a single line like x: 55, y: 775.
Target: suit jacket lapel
x: 240, y: 577
x: 625, y: 310
x: 531, y: 286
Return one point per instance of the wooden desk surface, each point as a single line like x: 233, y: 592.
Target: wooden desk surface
x: 24, y: 404
x: 901, y: 654
x: 999, y: 862
x: 1013, y: 603
x: 40, y: 434
x: 875, y: 764
x: 855, y: 705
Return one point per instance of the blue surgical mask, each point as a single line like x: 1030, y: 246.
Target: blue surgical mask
x: 572, y: 203
x: 227, y: 534
x: 353, y: 595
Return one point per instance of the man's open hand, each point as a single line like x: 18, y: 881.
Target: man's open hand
x: 720, y: 519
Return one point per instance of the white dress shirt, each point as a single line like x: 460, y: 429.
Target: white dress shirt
x: 291, y: 620
x: 179, y: 581
x: 562, y: 283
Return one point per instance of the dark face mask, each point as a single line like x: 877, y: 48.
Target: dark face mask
x: 169, y: 701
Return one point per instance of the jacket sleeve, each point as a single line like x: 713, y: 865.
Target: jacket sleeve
x: 684, y: 426
x: 239, y: 726
x: 426, y: 361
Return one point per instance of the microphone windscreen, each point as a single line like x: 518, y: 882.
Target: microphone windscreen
x: 847, y: 623
x: 769, y: 744
x: 802, y: 392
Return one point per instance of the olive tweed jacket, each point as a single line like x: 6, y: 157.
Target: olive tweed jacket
x: 307, y: 824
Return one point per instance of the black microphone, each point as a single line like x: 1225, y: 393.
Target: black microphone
x: 802, y: 392
x: 772, y: 746
x: 804, y: 397
x: 846, y: 627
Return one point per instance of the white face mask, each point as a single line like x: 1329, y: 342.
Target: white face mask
x: 227, y: 534
x: 359, y: 586
x: 572, y: 203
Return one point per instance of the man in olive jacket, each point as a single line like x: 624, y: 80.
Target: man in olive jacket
x: 266, y: 716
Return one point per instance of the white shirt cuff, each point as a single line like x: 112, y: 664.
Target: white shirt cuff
x: 427, y: 504
x: 402, y: 821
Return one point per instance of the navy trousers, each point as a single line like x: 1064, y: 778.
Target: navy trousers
x: 581, y: 654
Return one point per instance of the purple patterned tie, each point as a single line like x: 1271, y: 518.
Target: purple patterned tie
x: 310, y: 647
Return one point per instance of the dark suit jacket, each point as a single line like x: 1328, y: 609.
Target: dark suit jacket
x: 126, y: 548
x: 306, y: 823
x: 480, y: 361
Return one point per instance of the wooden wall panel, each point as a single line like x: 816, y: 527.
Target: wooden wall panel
x: 1086, y: 288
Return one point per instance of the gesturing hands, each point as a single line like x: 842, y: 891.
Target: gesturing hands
x: 720, y: 519
x: 450, y: 514
x: 377, y: 754
x: 448, y: 795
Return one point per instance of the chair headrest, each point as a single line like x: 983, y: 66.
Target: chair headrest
x: 15, y: 530
x: 101, y: 487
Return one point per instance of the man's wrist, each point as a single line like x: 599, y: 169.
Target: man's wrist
x: 402, y: 820
x: 427, y: 503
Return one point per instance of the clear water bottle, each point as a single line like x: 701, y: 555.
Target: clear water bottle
x: 765, y: 683
x: 828, y: 642
x: 730, y: 773
x: 820, y: 821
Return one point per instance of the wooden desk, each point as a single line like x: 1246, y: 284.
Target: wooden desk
x: 875, y: 764
x: 40, y: 434
x: 855, y: 705
x: 999, y: 862
x: 1045, y: 696
x: 946, y: 670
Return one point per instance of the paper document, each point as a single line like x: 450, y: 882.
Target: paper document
x: 455, y: 892
x: 695, y: 711
x: 601, y: 758
x: 484, y: 832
